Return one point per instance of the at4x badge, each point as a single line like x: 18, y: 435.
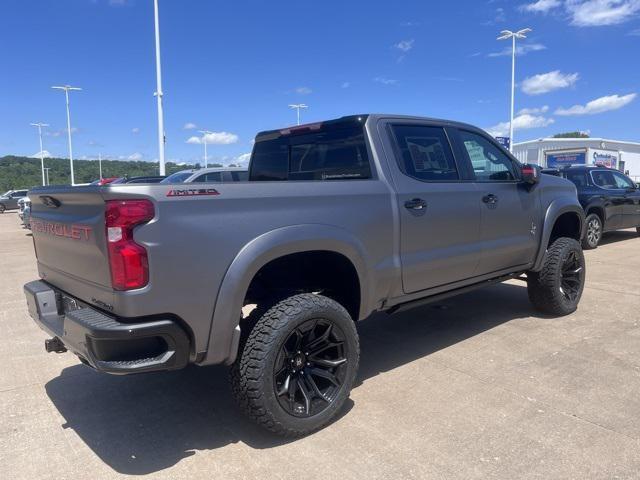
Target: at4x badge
x: 191, y: 192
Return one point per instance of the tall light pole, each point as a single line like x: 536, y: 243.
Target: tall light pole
x: 297, y: 107
x: 67, y: 89
x: 505, y: 35
x: 40, y: 125
x: 100, y: 164
x: 159, y: 93
x: 204, y: 140
x: 47, y: 175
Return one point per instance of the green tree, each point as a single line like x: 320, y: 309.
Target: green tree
x: 23, y: 172
x: 571, y: 135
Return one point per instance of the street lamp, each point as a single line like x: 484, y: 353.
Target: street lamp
x: 67, y: 89
x: 297, y: 107
x: 40, y: 125
x: 46, y: 170
x: 505, y: 35
x: 204, y: 140
x: 159, y: 93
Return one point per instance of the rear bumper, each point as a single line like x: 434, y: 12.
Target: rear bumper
x: 105, y: 342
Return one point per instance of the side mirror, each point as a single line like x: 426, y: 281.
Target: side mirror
x: 530, y: 174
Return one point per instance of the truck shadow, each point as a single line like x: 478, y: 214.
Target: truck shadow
x: 146, y: 423
x: 618, y: 236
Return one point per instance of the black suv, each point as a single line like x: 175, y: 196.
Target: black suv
x: 610, y: 199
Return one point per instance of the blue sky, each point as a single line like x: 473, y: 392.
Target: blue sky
x: 233, y: 67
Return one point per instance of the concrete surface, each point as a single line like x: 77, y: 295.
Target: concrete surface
x: 477, y: 387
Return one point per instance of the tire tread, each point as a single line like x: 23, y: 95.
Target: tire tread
x: 247, y: 372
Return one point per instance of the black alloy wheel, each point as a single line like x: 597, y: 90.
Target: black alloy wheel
x: 310, y: 368
x: 572, y: 274
x: 297, y: 364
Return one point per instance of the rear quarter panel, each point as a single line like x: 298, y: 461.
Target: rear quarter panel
x: 193, y: 241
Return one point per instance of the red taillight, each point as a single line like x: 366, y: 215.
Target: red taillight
x: 128, y: 260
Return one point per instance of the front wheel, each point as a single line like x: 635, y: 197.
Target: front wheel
x: 593, y: 233
x: 297, y: 366
x: 556, y: 289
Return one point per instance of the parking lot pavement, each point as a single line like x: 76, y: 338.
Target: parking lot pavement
x: 479, y: 386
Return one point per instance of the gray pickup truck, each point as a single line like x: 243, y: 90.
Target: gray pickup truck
x: 338, y: 220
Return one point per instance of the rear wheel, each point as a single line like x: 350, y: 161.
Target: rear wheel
x: 297, y: 366
x: 593, y: 233
x: 556, y: 289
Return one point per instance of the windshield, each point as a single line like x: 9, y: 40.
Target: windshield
x: 6, y: 194
x: 178, y: 177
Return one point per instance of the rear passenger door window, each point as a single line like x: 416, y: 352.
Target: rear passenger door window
x: 489, y: 163
x: 604, y: 179
x: 211, y: 177
x: 235, y: 176
x: 424, y: 153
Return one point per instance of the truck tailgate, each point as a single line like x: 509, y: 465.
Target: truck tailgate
x: 68, y: 228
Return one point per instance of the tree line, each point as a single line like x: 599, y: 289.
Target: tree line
x: 24, y: 172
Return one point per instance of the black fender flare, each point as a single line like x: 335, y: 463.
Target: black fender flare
x: 555, y: 209
x: 224, y: 334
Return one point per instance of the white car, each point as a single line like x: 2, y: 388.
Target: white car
x: 209, y: 175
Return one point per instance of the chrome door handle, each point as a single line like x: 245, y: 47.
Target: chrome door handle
x: 415, y: 204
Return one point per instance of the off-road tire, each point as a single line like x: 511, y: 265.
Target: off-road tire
x: 253, y: 373
x: 545, y: 287
x: 591, y: 241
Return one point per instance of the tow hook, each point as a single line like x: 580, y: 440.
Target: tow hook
x: 54, y: 345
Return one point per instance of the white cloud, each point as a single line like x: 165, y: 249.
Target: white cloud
x: 303, y: 90
x: 541, y: 6
x: 385, y: 81
x: 59, y: 133
x: 548, y: 82
x: 45, y: 154
x: 190, y: 126
x: 521, y: 49
x: 499, y: 17
x: 135, y: 156
x: 534, y: 111
x: 214, y: 138
x: 634, y: 33
x: 521, y: 122
x: 404, y: 45
x: 345, y: 85
x: 599, y: 105
x: 242, y: 160
x: 118, y: 3
x: 135, y: 130
x: 593, y: 13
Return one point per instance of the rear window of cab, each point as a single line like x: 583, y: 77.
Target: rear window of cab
x: 333, y: 154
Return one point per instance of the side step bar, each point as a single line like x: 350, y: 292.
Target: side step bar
x: 401, y: 307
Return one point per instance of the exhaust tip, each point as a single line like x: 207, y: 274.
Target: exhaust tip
x: 54, y: 345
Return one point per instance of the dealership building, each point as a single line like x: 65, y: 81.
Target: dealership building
x: 560, y: 152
